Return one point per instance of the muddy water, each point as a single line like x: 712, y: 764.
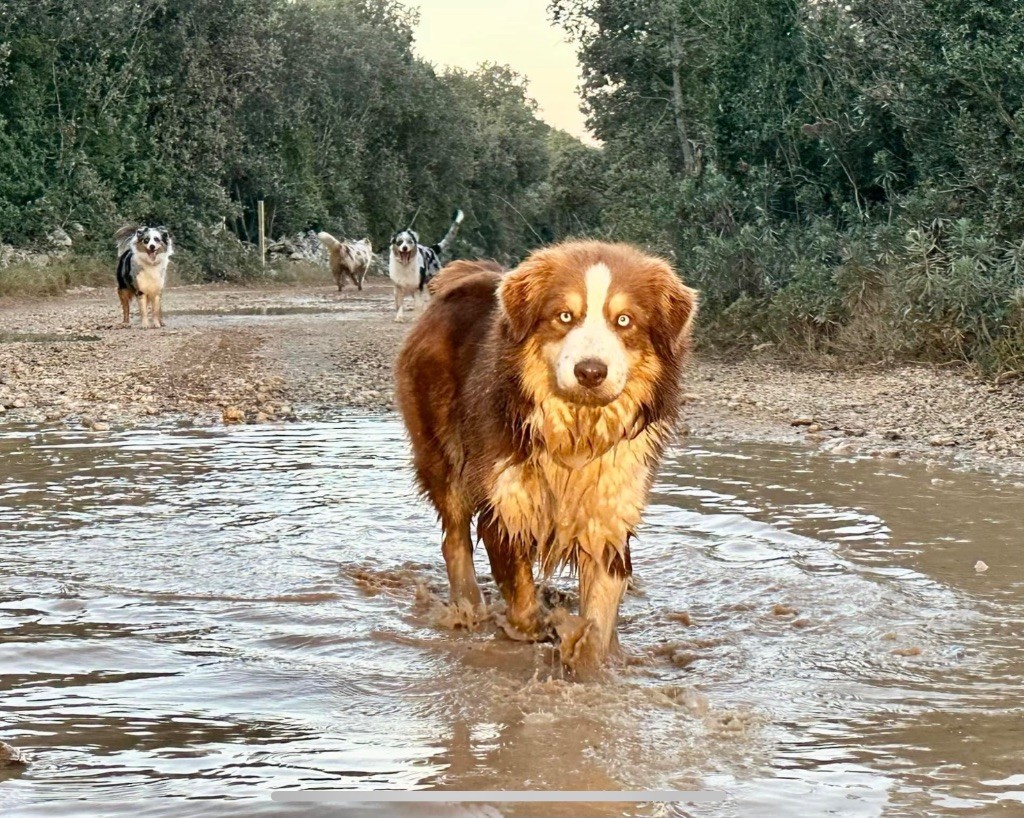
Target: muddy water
x: 193, y: 614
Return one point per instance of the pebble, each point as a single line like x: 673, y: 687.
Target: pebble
x: 942, y: 440
x: 232, y: 414
x: 980, y: 567
x: 802, y: 420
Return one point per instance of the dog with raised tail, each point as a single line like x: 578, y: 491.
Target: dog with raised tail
x: 351, y: 259
x: 143, y: 253
x: 412, y: 265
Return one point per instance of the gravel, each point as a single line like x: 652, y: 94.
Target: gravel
x: 273, y: 354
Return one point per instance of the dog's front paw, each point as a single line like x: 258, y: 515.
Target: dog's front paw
x: 535, y: 628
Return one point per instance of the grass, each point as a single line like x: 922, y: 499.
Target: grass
x: 25, y: 280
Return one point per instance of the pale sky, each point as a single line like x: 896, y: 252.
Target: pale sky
x: 517, y: 33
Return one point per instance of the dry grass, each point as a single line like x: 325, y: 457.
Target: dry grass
x: 25, y: 280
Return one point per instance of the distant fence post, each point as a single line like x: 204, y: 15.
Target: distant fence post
x: 263, y: 234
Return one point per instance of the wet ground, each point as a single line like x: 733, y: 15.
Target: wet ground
x: 189, y: 614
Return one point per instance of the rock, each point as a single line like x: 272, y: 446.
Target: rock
x: 892, y: 435
x: 891, y: 454
x: 19, y: 403
x: 76, y: 228
x: 844, y: 449
x: 784, y: 610
x: 980, y: 567
x: 59, y: 238
x: 942, y: 440
x: 99, y: 426
x: 913, y: 651
x: 11, y: 756
x: 802, y: 420
x: 232, y: 414
x: 814, y: 428
x: 262, y: 417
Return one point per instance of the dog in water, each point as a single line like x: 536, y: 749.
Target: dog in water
x: 412, y: 265
x: 539, y: 402
x: 350, y: 259
x: 143, y: 253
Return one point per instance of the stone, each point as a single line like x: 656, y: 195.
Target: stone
x: 232, y: 414
x: 802, y: 420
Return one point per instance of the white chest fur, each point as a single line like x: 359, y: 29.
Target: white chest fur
x: 150, y: 278
x: 406, y: 276
x: 591, y: 507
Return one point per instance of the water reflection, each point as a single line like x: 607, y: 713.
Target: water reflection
x: 188, y: 614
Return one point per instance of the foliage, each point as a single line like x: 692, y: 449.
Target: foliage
x: 189, y: 112
x: 843, y: 176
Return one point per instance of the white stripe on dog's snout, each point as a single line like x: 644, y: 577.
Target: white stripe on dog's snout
x: 597, y: 279
x: 594, y: 339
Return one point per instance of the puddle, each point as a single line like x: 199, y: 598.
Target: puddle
x: 192, y: 614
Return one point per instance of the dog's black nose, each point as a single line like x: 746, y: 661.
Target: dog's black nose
x: 591, y: 372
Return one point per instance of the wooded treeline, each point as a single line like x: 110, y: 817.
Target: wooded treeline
x: 843, y: 175
x: 839, y: 176
x: 185, y: 112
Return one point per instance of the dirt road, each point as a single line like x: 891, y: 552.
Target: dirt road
x: 275, y: 353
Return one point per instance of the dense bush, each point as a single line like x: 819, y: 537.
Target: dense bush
x: 188, y: 112
x: 842, y: 176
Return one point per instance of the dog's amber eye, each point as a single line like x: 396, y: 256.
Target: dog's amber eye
x: 565, y: 317
x: 623, y: 320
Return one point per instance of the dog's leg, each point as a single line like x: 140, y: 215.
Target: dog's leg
x: 512, y: 570
x: 339, y: 279
x: 457, y: 548
x: 144, y: 309
x: 126, y: 301
x: 585, y: 643
x: 158, y: 315
x: 399, y: 299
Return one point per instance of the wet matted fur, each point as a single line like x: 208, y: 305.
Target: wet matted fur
x: 539, y: 402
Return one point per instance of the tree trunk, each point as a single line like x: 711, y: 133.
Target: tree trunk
x: 689, y: 160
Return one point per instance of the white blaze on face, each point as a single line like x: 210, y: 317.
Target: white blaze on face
x: 594, y: 340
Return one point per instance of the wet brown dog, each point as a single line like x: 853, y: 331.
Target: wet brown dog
x: 540, y: 401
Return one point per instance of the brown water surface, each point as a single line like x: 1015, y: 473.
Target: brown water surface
x: 189, y: 615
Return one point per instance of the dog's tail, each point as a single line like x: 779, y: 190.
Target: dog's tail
x: 443, y: 245
x: 328, y: 240
x: 123, y: 237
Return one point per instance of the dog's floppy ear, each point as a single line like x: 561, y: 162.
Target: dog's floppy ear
x: 521, y: 296
x: 677, y: 306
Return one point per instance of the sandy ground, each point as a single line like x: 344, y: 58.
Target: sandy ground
x: 273, y: 354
